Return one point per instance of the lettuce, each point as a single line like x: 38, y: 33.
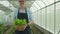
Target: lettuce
x: 20, y: 21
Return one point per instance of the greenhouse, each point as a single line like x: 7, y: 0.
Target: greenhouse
x: 45, y: 15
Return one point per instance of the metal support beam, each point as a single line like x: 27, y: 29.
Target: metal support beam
x: 43, y: 2
x: 37, y: 4
x: 47, y: 6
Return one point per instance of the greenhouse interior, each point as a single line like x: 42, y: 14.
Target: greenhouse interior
x: 45, y: 15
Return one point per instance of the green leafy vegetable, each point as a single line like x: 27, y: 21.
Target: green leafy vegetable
x: 20, y: 21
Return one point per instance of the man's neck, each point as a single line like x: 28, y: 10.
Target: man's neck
x: 22, y: 8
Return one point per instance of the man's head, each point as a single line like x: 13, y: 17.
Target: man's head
x: 22, y: 2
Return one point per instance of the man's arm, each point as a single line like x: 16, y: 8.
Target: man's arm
x: 30, y: 16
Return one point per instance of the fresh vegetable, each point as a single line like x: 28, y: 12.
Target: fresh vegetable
x: 20, y: 21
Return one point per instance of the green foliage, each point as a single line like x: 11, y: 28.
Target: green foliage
x: 20, y: 21
x: 1, y: 28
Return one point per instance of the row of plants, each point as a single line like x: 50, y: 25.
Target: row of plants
x: 1, y: 28
x: 16, y: 22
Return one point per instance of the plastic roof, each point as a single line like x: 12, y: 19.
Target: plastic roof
x: 7, y: 4
x: 41, y: 3
x: 38, y: 4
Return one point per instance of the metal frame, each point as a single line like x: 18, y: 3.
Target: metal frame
x: 37, y: 4
x: 54, y: 17
x: 54, y: 13
x: 35, y: 7
x: 43, y: 3
x: 48, y: 6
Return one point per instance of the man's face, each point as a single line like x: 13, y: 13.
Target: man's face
x: 22, y: 2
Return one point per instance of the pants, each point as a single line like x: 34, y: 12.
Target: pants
x: 26, y: 31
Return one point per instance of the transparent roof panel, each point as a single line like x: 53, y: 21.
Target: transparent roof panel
x: 7, y: 4
x: 56, y: 0
x: 35, y: 5
x: 32, y: 9
x: 40, y: 3
x: 48, y: 1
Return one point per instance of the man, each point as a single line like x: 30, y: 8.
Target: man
x: 23, y: 13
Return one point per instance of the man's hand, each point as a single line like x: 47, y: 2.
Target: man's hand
x: 21, y: 28
x: 24, y: 27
